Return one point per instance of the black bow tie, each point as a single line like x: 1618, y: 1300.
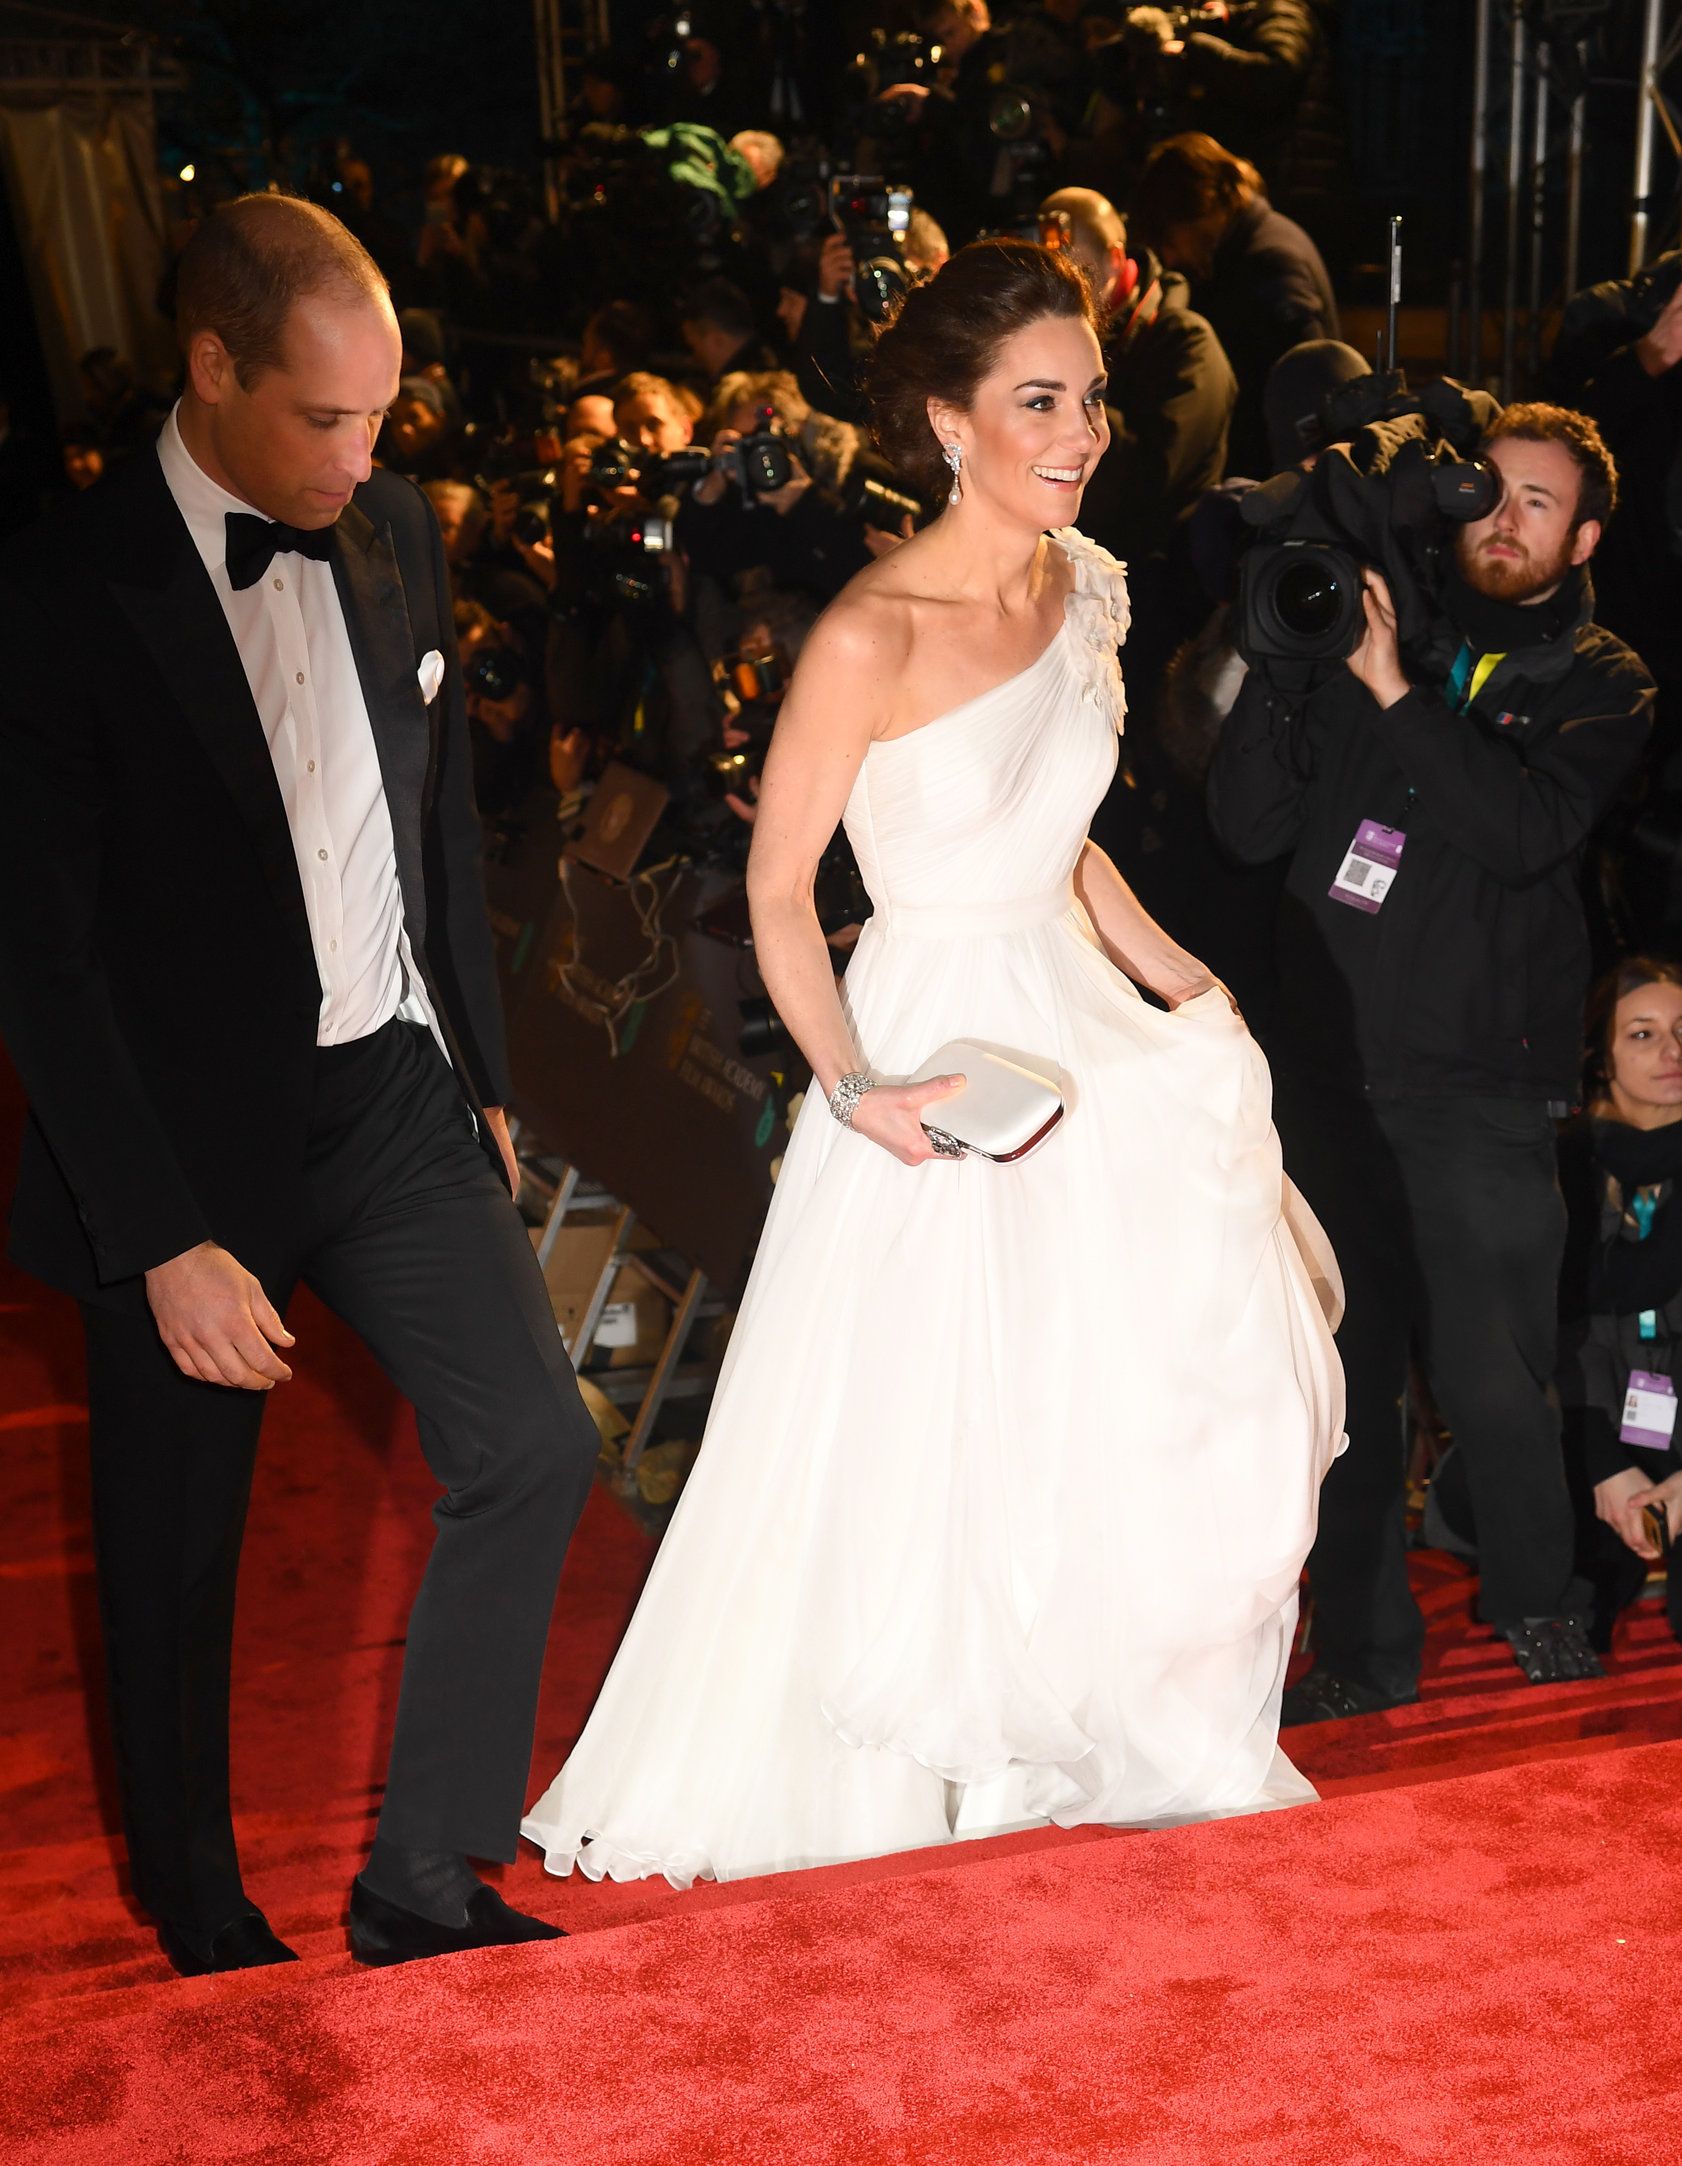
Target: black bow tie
x: 254, y: 543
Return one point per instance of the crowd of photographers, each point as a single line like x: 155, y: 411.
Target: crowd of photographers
x: 1406, y: 822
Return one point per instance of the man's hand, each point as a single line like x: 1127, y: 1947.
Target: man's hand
x: 1375, y: 659
x: 539, y: 559
x: 782, y: 501
x: 216, y: 1320
x: 713, y: 483
x: 498, y: 1120
x: 1661, y: 349
x: 835, y: 267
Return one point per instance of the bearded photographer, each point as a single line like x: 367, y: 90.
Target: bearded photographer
x: 1433, y: 959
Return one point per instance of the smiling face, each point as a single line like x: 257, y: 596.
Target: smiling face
x: 299, y: 438
x: 1644, y: 1057
x: 1531, y: 540
x: 1036, y: 428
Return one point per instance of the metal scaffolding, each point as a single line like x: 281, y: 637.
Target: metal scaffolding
x: 1530, y: 77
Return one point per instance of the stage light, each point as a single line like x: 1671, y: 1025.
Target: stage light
x: 189, y: 172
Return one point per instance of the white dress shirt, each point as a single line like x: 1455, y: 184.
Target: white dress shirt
x: 290, y: 632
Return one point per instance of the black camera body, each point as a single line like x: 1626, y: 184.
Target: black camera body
x: 874, y: 218
x: 1390, y: 498
x: 618, y: 465
x: 759, y: 463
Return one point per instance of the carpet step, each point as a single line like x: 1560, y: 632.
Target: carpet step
x: 1233, y: 1994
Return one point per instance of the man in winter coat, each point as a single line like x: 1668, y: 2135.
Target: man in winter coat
x: 1433, y: 962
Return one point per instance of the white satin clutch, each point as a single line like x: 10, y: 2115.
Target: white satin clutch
x: 1005, y: 1109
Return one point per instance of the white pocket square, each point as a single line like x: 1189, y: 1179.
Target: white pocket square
x: 430, y: 674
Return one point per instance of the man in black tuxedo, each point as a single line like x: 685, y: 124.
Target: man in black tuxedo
x: 246, y: 976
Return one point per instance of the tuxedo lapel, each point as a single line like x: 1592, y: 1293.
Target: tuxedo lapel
x: 370, y: 584
x: 159, y: 582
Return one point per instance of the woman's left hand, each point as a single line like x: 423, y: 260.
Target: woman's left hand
x: 1194, y: 988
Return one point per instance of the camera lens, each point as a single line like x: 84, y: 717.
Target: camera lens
x: 1308, y: 596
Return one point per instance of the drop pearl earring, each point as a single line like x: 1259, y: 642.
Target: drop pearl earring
x: 953, y: 454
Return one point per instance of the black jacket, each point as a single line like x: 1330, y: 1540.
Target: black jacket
x: 158, y: 988
x: 1611, y: 1273
x: 1266, y: 292
x: 1170, y: 399
x: 1638, y: 566
x: 1471, y: 977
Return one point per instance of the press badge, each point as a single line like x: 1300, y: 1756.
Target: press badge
x: 1363, y: 879
x: 1649, y: 1411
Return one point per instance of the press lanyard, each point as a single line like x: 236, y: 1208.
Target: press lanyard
x: 1465, y: 681
x: 1642, y: 1207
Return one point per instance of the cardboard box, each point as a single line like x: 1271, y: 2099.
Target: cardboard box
x: 637, y: 1317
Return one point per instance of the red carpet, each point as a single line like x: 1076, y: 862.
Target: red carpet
x: 1469, y: 1951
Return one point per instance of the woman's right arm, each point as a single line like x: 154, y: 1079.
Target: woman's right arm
x: 823, y: 732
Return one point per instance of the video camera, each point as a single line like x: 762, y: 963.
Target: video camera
x: 1400, y: 473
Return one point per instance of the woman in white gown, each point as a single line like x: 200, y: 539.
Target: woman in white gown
x: 1011, y: 1469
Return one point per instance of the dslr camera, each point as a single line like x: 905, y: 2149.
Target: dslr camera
x: 875, y: 219
x: 1400, y: 475
x: 759, y: 463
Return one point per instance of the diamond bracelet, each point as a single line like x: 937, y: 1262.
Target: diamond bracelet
x: 844, y: 1098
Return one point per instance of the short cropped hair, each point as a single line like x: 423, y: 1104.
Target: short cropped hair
x: 643, y: 384
x: 250, y: 263
x: 1532, y: 422
x: 719, y: 302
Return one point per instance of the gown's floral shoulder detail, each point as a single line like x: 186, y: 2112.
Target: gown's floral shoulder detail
x: 1101, y: 612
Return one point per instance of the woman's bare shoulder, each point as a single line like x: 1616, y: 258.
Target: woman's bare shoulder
x: 869, y: 624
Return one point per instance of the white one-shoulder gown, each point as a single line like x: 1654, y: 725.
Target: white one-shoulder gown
x: 1011, y: 1470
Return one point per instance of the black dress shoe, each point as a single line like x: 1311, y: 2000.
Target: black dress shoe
x: 244, y: 1943
x: 1552, y: 1650
x: 382, y: 1932
x: 1323, y: 1696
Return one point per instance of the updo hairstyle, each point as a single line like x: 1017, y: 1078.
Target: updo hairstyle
x: 946, y: 338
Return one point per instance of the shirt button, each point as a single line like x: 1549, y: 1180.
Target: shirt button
x: 300, y: 676
x: 312, y: 767
x: 280, y: 586
x: 332, y: 947
x: 322, y: 854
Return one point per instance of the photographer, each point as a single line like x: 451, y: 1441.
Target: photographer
x: 1254, y: 274
x: 1258, y: 78
x: 721, y: 332
x: 622, y: 663
x: 761, y: 507
x: 1171, y: 388
x: 1433, y: 959
x: 507, y: 726
x: 832, y: 335
x: 1619, y: 357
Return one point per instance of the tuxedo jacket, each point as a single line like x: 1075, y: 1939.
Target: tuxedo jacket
x: 158, y: 988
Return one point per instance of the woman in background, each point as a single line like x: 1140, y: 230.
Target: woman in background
x: 1621, y: 1287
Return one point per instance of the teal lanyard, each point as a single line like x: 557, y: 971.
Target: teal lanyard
x: 1643, y: 1207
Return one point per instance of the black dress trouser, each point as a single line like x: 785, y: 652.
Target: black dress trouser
x: 405, y: 1230
x: 1449, y: 1228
